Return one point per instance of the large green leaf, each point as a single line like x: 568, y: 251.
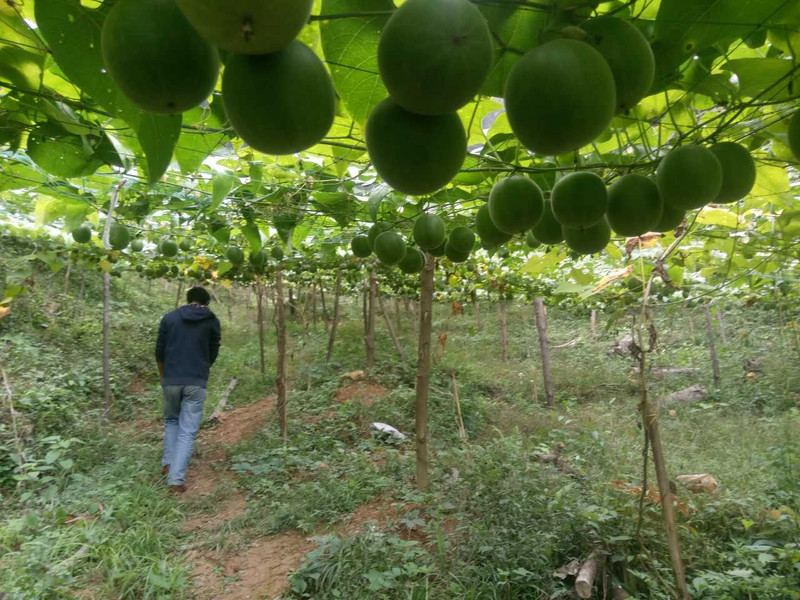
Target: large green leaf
x: 766, y: 78
x: 201, y: 134
x: 684, y: 27
x: 22, y: 54
x: 73, y: 33
x: 350, y: 51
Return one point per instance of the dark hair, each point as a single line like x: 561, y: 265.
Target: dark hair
x: 198, y: 295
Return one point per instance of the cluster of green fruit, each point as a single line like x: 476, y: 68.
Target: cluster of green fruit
x: 582, y: 212
x: 278, y: 96
x: 258, y: 260
x: 430, y: 234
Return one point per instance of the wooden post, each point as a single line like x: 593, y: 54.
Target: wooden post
x: 544, y: 344
x: 280, y: 325
x: 291, y: 302
x: 459, y: 417
x: 82, y: 292
x: 107, y: 308
x: 501, y: 306
x: 314, y: 302
x: 260, y: 312
x: 721, y: 323
x: 369, y: 329
x: 424, y: 370
x: 322, y: 301
x: 66, y: 277
x: 392, y: 333
x: 178, y: 294
x: 712, y: 347
x: 397, y: 317
x: 335, y: 321
x: 594, y: 322
x: 230, y: 305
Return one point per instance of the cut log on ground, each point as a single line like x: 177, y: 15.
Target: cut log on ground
x: 584, y: 583
x: 691, y: 395
x: 702, y: 483
x: 223, y: 401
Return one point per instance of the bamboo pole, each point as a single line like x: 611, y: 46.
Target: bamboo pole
x: 424, y: 370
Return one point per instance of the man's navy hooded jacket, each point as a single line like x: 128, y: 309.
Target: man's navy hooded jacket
x: 188, y: 344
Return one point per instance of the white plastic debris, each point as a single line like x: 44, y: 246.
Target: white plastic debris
x: 387, y: 429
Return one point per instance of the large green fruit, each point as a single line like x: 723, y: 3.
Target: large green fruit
x: 671, y: 217
x: 588, y: 240
x: 689, y: 177
x: 137, y: 245
x: 434, y: 55
x: 259, y: 260
x: 248, y: 26
x: 548, y: 229
x: 794, y: 134
x: 579, y: 199
x: 439, y: 252
x: 279, y: 103
x: 738, y: 171
x: 415, y: 154
x: 235, y: 255
x: 531, y: 240
x: 375, y: 231
x: 634, y: 205
x: 429, y: 231
x: 82, y: 234
x: 628, y: 54
x: 277, y: 253
x: 169, y: 248
x: 491, y: 236
x: 515, y: 204
x: 390, y: 248
x: 118, y: 236
x: 186, y: 245
x: 560, y: 96
x: 412, y: 262
x: 454, y: 254
x: 360, y: 246
x: 462, y: 239
x: 59, y: 154
x: 155, y: 56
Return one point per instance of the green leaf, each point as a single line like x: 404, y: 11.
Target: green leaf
x: 337, y: 205
x: 376, y: 196
x: 196, y: 141
x: 223, y: 267
x: 52, y: 456
x: 349, y: 46
x: 221, y: 185
x: 253, y: 235
x: 717, y: 216
x: 771, y: 77
x: 73, y: 34
x: 22, y: 55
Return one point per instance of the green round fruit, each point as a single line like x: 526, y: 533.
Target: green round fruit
x: 738, y: 171
x: 429, y: 231
x: 548, y: 229
x: 560, y: 96
x: 360, y: 246
x: 412, y: 262
x: 454, y: 254
x: 415, y: 154
x: 629, y: 55
x: 515, y: 204
x: 588, y: 240
x: 277, y: 253
x: 61, y: 155
x: 794, y: 134
x: 169, y: 248
x: 490, y: 235
x: 248, y: 26
x: 137, y: 245
x: 156, y: 58
x: 118, y: 236
x: 462, y: 239
x: 634, y: 205
x: 186, y: 245
x: 689, y: 177
x: 279, y: 103
x: 235, y: 255
x: 579, y: 199
x: 671, y: 217
x: 439, y: 252
x: 433, y: 56
x: 531, y: 240
x: 390, y: 248
x: 375, y: 231
x: 82, y: 234
x: 258, y: 260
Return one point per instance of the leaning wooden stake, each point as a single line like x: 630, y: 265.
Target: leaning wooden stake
x: 712, y: 346
x: 594, y: 321
x: 223, y: 401
x: 107, y: 308
x: 335, y: 321
x: 460, y: 419
x: 66, y: 277
x: 280, y: 325
x: 544, y: 344
x: 369, y: 325
x: 424, y: 369
x: 260, y: 308
x: 389, y: 326
x: 721, y: 323
x: 501, y: 307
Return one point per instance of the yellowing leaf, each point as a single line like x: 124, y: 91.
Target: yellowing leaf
x: 226, y: 283
x: 537, y: 264
x: 771, y: 181
x: 105, y: 266
x: 717, y: 216
x: 621, y: 274
x: 4, y: 311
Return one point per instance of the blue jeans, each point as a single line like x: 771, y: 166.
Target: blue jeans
x: 183, y: 412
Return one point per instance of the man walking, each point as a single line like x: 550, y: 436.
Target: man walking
x: 187, y: 346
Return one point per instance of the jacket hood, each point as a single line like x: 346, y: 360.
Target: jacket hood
x: 191, y: 312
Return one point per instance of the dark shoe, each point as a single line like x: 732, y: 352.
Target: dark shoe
x: 165, y: 470
x: 177, y: 489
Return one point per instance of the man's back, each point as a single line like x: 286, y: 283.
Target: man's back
x: 188, y: 344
